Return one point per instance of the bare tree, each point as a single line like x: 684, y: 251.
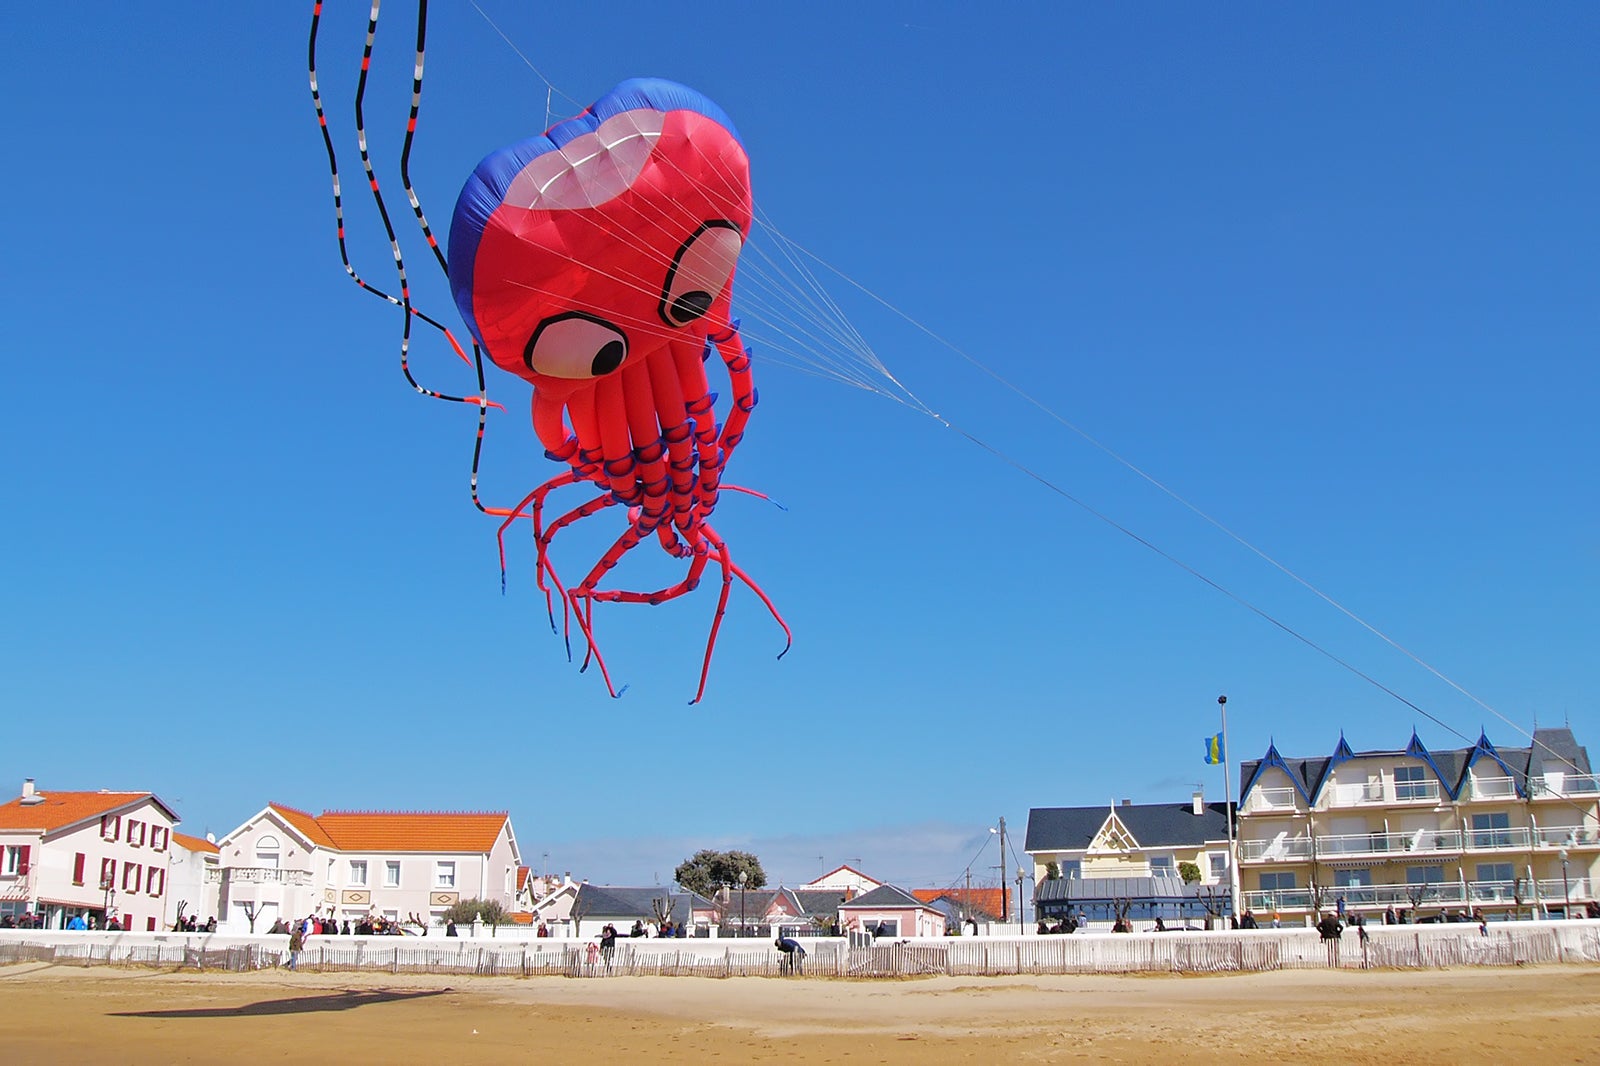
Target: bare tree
x: 251, y: 909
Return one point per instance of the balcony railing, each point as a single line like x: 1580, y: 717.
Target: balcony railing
x: 1272, y: 799
x: 1564, y: 785
x: 256, y: 875
x: 1551, y: 892
x: 1276, y: 850
x: 1493, y: 788
x: 1568, y: 836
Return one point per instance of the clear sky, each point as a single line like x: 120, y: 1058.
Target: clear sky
x: 1326, y: 271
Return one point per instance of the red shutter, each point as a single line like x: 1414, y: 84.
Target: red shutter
x: 150, y: 924
x: 116, y: 827
x: 77, y: 867
x: 108, y: 873
x: 22, y: 860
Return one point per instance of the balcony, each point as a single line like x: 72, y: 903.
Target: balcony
x: 1281, y: 849
x: 258, y: 875
x: 1499, y: 839
x: 1586, y: 786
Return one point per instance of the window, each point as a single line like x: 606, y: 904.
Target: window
x: 1161, y: 865
x: 1219, y: 865
x: 108, y: 873
x: 135, y: 834
x: 444, y: 875
x: 155, y: 881
x: 1278, y: 881
x: 159, y: 835
x: 391, y: 874
x: 1409, y: 783
x: 1496, y: 871
x: 1352, y: 879
x: 1424, y: 875
x: 130, y: 876
x: 358, y: 872
x: 78, y: 861
x: 1071, y: 868
x: 110, y: 827
x: 1491, y: 830
x: 11, y: 865
x: 267, y: 852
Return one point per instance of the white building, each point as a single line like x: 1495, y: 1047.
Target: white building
x: 192, y: 883
x: 99, y: 855
x: 402, y: 866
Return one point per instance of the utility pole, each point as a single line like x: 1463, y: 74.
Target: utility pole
x: 1005, y: 903
x: 966, y: 900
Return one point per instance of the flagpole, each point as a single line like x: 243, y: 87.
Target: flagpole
x: 1227, y: 781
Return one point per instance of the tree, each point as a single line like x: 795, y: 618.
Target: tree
x: 251, y: 909
x: 707, y: 871
x: 1052, y: 871
x: 1190, y: 872
x: 488, y: 911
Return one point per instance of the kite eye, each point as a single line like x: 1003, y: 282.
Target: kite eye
x: 700, y: 271
x: 575, y: 346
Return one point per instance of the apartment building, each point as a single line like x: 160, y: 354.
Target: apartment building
x: 1429, y: 835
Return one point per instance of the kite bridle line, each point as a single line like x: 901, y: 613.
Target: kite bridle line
x: 481, y: 400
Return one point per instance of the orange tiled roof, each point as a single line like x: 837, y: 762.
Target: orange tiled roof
x: 523, y: 873
x: 463, y: 831
x: 986, y: 901
x: 61, y: 809
x: 305, y: 823
x: 521, y: 917
x: 194, y: 843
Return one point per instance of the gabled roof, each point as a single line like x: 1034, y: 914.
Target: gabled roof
x: 437, y: 832
x: 846, y: 868
x: 303, y: 823
x: 184, y: 840
x: 1153, y: 825
x: 982, y: 902
x: 56, y: 811
x: 886, y: 896
x: 522, y: 877
x: 819, y: 902
x: 629, y: 902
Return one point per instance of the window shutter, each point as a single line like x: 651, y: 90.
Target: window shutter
x: 150, y: 924
x: 22, y: 860
x: 108, y: 873
x: 77, y: 867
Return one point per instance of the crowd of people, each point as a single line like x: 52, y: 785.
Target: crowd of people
x: 317, y: 925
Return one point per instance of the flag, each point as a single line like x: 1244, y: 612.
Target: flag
x: 1214, y: 750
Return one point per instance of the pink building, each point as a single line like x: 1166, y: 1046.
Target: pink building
x: 91, y: 855
x: 890, y: 911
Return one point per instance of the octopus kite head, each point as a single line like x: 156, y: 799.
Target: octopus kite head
x: 582, y: 251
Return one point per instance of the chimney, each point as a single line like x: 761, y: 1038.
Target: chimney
x: 30, y: 795
x: 1127, y: 803
x: 1199, y: 802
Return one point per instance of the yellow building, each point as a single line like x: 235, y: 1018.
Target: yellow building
x: 1426, y: 835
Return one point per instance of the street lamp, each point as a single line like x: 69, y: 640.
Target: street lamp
x: 744, y: 875
x: 111, y: 895
x: 1021, y: 917
x: 1566, y: 890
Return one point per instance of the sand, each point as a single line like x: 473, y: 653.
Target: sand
x: 55, y: 1014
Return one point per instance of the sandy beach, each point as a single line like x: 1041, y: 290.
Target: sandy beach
x: 53, y: 1014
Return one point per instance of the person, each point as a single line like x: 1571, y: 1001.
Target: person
x: 345, y: 929
x: 1388, y: 915
x: 77, y: 922
x: 450, y: 930
x: 881, y: 929
x: 1331, y: 929
x: 1120, y: 925
x: 608, y: 944
x: 113, y: 926
x: 1161, y: 925
x: 211, y: 924
x: 793, y: 955
x: 1249, y: 920
x: 544, y: 930
x: 297, y: 942
x: 591, y: 955
x: 638, y: 929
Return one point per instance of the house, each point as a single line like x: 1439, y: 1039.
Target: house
x: 1503, y: 831
x: 959, y: 904
x: 596, y: 906
x: 99, y: 855
x: 890, y: 911
x: 844, y: 879
x: 404, y: 866
x: 193, y: 885
x: 1103, y: 863
x: 779, y: 911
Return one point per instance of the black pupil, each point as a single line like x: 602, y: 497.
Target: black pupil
x: 608, y: 359
x: 691, y: 305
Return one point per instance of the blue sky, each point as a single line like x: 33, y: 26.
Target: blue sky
x: 1326, y: 272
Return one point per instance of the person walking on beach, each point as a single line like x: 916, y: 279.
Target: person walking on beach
x: 608, y: 944
x: 297, y: 942
x: 1331, y: 929
x: 793, y: 955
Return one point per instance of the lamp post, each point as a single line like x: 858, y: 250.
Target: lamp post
x: 744, y: 875
x: 1022, y: 919
x: 111, y: 894
x: 1566, y: 889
